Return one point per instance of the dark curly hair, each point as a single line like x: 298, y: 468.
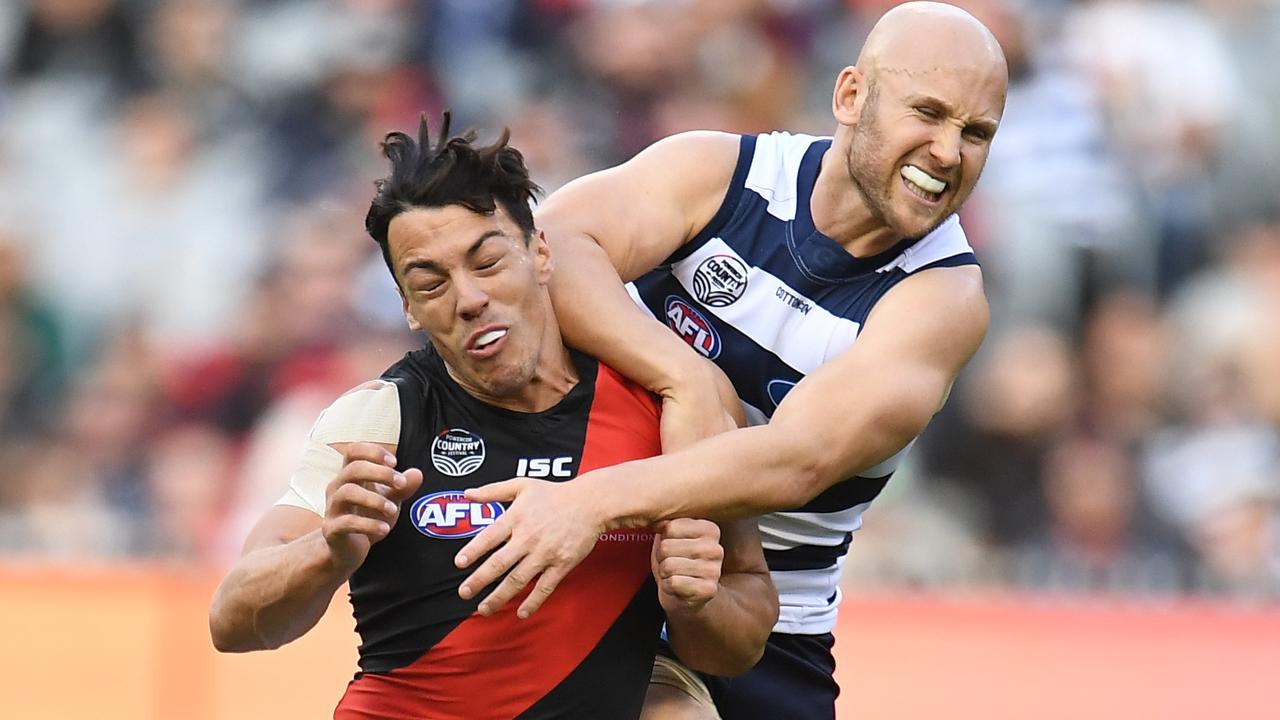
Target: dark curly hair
x: 451, y: 171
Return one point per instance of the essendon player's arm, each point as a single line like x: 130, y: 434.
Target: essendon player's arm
x: 617, y: 224
x: 305, y: 548
x: 715, y: 588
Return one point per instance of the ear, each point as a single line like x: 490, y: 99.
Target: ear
x: 849, y: 95
x: 542, y: 262
x: 404, y: 305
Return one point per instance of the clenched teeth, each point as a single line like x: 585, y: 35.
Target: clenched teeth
x: 922, y: 179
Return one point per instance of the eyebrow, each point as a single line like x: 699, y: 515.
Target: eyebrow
x: 433, y: 266
x: 982, y: 122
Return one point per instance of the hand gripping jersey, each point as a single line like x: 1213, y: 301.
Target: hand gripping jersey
x: 424, y: 651
x: 769, y: 298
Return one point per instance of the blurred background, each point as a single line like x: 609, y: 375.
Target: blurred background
x: 185, y: 281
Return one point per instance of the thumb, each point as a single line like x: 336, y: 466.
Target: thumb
x: 504, y: 491
x: 413, y: 480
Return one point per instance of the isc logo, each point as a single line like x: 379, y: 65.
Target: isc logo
x: 690, y: 325
x: 450, y: 514
x: 544, y: 467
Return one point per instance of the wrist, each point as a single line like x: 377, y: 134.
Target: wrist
x: 690, y: 377
x: 681, y: 613
x: 602, y: 497
x: 333, y: 566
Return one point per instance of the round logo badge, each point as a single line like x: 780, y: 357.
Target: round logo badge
x: 449, y: 515
x: 692, y: 327
x: 457, y: 452
x: 720, y: 280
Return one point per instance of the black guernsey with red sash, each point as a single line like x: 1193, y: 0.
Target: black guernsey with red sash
x: 424, y: 651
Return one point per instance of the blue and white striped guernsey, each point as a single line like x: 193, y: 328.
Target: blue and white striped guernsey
x: 769, y: 298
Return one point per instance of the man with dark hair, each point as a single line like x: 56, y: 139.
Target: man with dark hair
x: 494, y: 393
x: 828, y: 277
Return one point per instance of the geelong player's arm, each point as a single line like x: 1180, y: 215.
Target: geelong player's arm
x: 343, y: 497
x: 725, y: 636
x: 852, y: 413
x: 613, y: 226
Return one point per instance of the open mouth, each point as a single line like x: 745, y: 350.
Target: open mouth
x: 487, y: 343
x: 922, y: 184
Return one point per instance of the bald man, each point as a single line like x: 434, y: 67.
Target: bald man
x: 828, y: 277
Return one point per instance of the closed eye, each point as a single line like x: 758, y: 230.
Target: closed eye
x: 431, y: 287
x: 488, y: 264
x: 927, y: 112
x: 978, y: 134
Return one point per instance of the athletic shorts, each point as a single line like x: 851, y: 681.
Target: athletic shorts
x: 794, y: 680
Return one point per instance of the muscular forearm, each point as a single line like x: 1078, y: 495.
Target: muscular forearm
x: 274, y: 595
x: 727, y: 635
x: 744, y: 473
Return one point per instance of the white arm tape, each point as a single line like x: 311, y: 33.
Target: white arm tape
x: 362, y: 415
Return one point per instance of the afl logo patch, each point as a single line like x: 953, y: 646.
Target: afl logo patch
x: 450, y: 514
x: 692, y: 326
x: 457, y: 452
x: 720, y: 280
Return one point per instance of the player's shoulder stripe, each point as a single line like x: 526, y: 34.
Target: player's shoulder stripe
x: 775, y: 170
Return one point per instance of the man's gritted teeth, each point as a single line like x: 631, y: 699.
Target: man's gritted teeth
x: 922, y: 184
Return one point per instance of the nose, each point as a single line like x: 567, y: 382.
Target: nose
x: 472, y: 299
x: 945, y: 147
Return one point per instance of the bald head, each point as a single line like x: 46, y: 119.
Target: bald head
x: 924, y: 37
x: 916, y: 118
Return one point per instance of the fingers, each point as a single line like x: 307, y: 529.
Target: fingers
x: 481, y: 545
x: 692, y: 590
x: 511, y: 585
x: 353, y: 499
x: 700, y: 549
x: 691, y: 528
x: 352, y: 524
x: 411, y: 480
x: 369, y: 473
x: 369, y: 452
x: 547, y: 583
x: 687, y: 567
x: 490, y: 570
x: 505, y: 491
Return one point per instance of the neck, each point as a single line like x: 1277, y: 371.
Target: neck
x: 839, y: 210
x: 554, y: 377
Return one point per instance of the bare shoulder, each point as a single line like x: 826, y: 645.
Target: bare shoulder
x: 697, y: 147
x: 938, y: 317
x: 949, y: 297
x: 674, y: 165
x: 644, y: 209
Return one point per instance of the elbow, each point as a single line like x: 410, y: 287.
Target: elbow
x: 228, y: 635
x: 229, y: 639
x: 742, y: 659
x: 734, y: 658
x: 224, y: 641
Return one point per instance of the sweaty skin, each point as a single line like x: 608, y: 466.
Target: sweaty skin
x: 926, y: 97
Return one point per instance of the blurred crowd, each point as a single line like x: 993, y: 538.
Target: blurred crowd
x: 185, y: 281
